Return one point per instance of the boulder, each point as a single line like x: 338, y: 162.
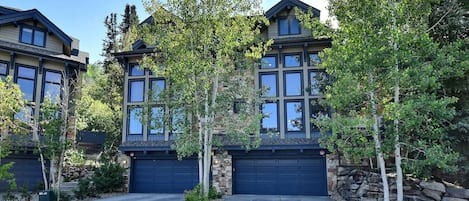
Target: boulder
x: 416, y: 198
x: 433, y: 185
x: 435, y: 195
x: 452, y: 199
x: 457, y: 192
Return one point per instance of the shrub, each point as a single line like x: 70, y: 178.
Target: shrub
x: 196, y: 195
x: 86, y: 189
x: 108, y: 178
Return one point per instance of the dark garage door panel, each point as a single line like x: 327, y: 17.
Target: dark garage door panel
x: 27, y: 171
x: 280, y: 176
x: 164, y: 176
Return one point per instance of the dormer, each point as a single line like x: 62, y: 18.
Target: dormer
x: 283, y: 21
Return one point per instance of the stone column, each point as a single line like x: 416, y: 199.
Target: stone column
x: 332, y: 163
x: 222, y: 173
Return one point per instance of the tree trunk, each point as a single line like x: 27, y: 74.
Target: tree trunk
x: 377, y: 140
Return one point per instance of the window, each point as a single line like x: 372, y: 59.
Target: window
x: 177, y: 120
x: 26, y: 79
x: 269, y: 83
x: 52, y: 86
x: 136, y: 90
x: 292, y: 60
x: 134, y: 120
x: 157, y: 86
x: 157, y: 120
x: 3, y: 71
x: 288, y: 26
x: 316, y: 109
x: 317, y: 80
x: 313, y: 59
x: 293, y: 83
x: 270, y: 119
x: 25, y: 114
x: 135, y: 70
x: 32, y: 36
x: 269, y: 62
x: 294, y: 115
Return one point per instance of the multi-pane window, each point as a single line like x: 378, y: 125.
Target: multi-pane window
x: 294, y: 115
x: 313, y: 59
x: 316, y: 82
x: 269, y: 62
x: 292, y: 61
x: 52, y: 85
x: 136, y: 90
x: 136, y: 70
x: 32, y: 36
x: 270, y: 121
x: 293, y: 83
x: 268, y: 82
x: 288, y: 26
x: 3, y: 71
x: 135, y: 126
x: 157, y: 86
x: 26, y: 79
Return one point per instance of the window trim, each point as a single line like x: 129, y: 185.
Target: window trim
x: 129, y: 88
x: 44, y: 73
x: 34, y: 29
x: 289, y: 21
x: 303, y: 129
x: 260, y: 74
x: 34, y: 80
x: 285, y: 83
x: 129, y: 109
x: 264, y: 130
x: 292, y: 54
x: 269, y: 55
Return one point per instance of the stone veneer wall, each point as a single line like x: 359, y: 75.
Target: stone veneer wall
x: 332, y: 165
x: 222, y: 172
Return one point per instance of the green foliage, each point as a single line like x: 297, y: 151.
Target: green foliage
x: 196, y: 194
x: 86, y: 188
x: 74, y: 157
x: 6, y: 176
x: 108, y: 178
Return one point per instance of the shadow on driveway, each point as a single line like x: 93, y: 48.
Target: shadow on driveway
x: 144, y: 197
x: 275, y: 198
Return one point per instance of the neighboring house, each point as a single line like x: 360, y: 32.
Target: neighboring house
x: 291, y: 163
x: 42, y: 59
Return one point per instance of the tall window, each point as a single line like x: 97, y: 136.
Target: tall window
x: 294, y: 116
x: 157, y: 120
x: 3, y: 71
x: 270, y: 119
x: 157, y: 86
x: 52, y: 86
x: 288, y: 26
x: 136, y: 90
x: 268, y: 82
x: 293, y: 83
x: 33, y: 36
x: 316, y: 109
x: 26, y: 79
x: 135, y: 126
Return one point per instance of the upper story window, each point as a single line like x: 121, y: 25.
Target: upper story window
x: 136, y: 90
x: 270, y: 121
x: 135, y: 126
x: 52, y: 85
x: 157, y: 86
x: 293, y: 81
x: 3, y: 71
x: 314, y: 59
x: 33, y: 36
x: 26, y: 79
x: 157, y: 120
x: 136, y: 70
x: 294, y: 115
x: 288, y: 26
x: 268, y: 82
x: 292, y: 60
x: 269, y: 62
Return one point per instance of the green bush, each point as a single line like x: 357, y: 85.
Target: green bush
x: 196, y: 195
x: 109, y: 178
x: 86, y: 189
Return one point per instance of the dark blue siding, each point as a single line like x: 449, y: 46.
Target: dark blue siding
x: 163, y: 176
x: 280, y: 176
x: 27, y: 171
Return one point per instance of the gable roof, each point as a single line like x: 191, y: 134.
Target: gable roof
x: 11, y: 15
x: 288, y: 4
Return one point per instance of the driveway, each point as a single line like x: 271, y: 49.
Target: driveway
x: 180, y: 197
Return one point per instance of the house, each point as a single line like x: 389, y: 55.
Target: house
x: 290, y: 163
x: 42, y: 59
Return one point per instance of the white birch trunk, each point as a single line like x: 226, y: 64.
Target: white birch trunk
x: 377, y: 140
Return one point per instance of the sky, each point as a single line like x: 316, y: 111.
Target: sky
x: 84, y: 19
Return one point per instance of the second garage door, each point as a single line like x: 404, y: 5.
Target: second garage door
x: 163, y: 176
x: 280, y: 176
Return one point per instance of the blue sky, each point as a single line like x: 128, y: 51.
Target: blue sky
x: 84, y: 19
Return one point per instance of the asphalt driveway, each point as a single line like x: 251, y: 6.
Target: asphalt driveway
x: 180, y: 197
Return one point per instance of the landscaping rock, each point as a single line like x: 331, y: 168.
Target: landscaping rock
x: 453, y: 199
x: 416, y: 198
x: 458, y: 192
x: 433, y: 185
x: 435, y: 195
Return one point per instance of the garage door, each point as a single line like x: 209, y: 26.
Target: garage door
x: 27, y: 173
x: 163, y: 176
x: 280, y: 176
